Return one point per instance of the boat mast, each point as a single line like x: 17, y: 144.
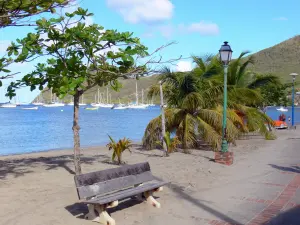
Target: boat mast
x: 136, y: 93
x: 107, y: 95
x: 110, y: 98
x: 51, y: 95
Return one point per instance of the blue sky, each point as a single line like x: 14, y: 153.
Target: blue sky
x: 199, y: 27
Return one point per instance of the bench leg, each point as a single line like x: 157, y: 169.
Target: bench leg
x: 91, y: 215
x: 150, y: 199
x: 104, y: 217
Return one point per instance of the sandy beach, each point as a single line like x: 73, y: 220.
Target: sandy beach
x: 38, y: 188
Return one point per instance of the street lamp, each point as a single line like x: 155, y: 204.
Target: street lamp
x: 293, y: 98
x: 225, y: 57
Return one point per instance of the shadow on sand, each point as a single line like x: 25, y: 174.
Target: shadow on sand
x: 290, y: 217
x: 20, y: 167
x: 294, y: 169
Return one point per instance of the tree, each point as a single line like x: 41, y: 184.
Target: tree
x: 119, y: 147
x: 78, y: 57
x: 14, y: 12
x: 195, y: 98
x: 192, y: 112
x: 275, y: 94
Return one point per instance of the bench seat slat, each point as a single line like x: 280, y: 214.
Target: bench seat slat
x: 120, y: 183
x: 120, y: 195
x: 103, y: 175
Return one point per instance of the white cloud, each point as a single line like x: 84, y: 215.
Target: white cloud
x: 143, y: 11
x: 203, y: 28
x: 184, y: 66
x: 282, y: 18
x: 3, y: 45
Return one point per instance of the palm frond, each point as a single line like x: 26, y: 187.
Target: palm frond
x: 209, y: 134
x: 263, y: 80
x: 192, y: 102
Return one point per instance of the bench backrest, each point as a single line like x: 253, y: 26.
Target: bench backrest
x: 110, y: 180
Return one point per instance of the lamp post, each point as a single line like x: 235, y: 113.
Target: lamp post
x: 225, y: 57
x: 293, y: 98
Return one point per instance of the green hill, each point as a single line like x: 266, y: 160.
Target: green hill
x: 126, y: 94
x: 281, y: 59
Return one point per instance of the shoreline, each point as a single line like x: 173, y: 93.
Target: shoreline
x: 198, y: 186
x: 84, y: 147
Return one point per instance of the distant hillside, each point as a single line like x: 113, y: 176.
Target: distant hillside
x: 281, y: 59
x: 126, y: 94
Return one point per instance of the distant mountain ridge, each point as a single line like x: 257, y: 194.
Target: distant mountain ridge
x: 281, y: 59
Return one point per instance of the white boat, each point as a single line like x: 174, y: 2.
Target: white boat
x: 82, y: 101
x: 137, y: 106
x: 120, y: 106
x: 8, y: 105
x: 71, y: 103
x: 31, y: 108
x: 282, y: 109
x: 38, y: 103
x: 54, y: 104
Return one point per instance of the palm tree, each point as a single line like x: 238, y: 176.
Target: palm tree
x: 194, y: 100
x: 243, y: 88
x: 190, y: 114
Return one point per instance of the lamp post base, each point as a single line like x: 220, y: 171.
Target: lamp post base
x: 224, y: 146
x: 225, y: 158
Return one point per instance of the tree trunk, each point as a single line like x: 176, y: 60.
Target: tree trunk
x: 120, y: 159
x: 163, y: 122
x: 76, y: 136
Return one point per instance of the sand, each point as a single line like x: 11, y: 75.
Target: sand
x: 38, y: 188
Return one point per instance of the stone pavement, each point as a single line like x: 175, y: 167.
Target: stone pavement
x: 262, y: 190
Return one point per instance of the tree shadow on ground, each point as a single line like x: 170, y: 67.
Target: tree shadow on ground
x: 200, y: 204
x: 20, y: 167
x: 139, y: 149
x: 290, y: 217
x: 294, y: 169
x: 79, y: 209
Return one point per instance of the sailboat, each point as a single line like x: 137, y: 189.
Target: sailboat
x: 82, y: 101
x: 137, y: 105
x: 8, y: 105
x: 38, y: 102
x: 31, y: 108
x: 53, y: 104
x: 282, y: 109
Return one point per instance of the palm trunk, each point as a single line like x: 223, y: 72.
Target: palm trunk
x: 76, y: 136
x: 185, y: 134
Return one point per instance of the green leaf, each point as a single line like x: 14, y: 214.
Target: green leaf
x: 6, y: 70
x: 0, y: 83
x: 32, y: 87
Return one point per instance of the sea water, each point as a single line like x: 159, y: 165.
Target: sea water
x: 23, y: 131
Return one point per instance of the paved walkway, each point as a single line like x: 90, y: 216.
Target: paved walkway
x: 263, y: 190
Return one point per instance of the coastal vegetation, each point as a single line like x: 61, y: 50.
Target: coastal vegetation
x: 16, y: 13
x: 77, y: 57
x: 118, y: 148
x: 194, y: 100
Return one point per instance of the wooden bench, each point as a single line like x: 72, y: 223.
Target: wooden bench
x: 103, y: 189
